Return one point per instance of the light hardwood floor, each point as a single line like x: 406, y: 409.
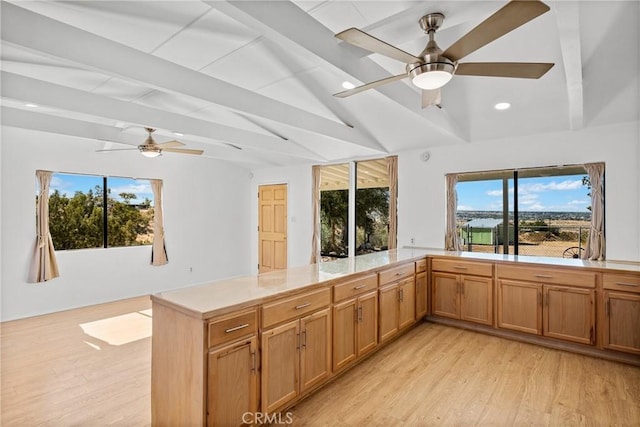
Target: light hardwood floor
x: 91, y: 367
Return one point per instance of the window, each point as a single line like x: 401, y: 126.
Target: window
x: 83, y: 215
x: 538, y: 211
x: 367, y: 208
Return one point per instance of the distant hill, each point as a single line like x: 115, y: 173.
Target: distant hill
x: 526, y: 215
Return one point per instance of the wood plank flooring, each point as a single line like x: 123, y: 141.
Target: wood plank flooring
x: 91, y: 367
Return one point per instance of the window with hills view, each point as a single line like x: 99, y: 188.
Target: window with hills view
x: 537, y: 211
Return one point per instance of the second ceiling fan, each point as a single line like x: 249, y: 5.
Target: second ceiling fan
x: 433, y: 68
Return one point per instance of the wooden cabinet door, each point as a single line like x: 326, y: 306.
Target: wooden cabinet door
x: 344, y: 333
x: 407, y: 300
x: 476, y: 300
x: 622, y: 321
x: 367, y: 327
x: 315, y: 349
x: 520, y: 306
x: 232, y: 383
x: 421, y: 295
x: 280, y: 365
x: 388, y: 299
x: 445, y: 295
x: 569, y: 314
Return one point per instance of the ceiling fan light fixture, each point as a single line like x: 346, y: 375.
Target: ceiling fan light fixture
x: 433, y: 75
x: 151, y: 152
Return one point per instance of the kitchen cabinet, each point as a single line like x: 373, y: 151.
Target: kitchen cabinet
x: 355, y: 329
x: 422, y: 293
x: 296, y: 356
x: 462, y: 290
x: 397, y: 307
x: 551, y: 302
x: 621, y: 320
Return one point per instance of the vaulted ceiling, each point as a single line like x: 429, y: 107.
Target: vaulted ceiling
x: 251, y: 82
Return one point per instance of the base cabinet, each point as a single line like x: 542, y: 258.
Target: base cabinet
x: 397, y: 307
x: 355, y: 329
x: 621, y: 329
x: 520, y: 306
x: 569, y: 314
x: 295, y: 357
x: 463, y: 297
x: 232, y: 386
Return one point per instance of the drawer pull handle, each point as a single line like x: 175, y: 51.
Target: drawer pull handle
x: 635, y: 285
x: 458, y: 267
x: 307, y: 304
x: 400, y: 273
x: 359, y: 287
x: 544, y: 276
x: 236, y: 328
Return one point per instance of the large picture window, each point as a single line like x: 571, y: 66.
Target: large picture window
x: 538, y: 211
x: 90, y: 211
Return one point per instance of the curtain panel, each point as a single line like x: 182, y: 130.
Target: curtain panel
x: 44, y: 265
x: 315, y: 201
x: 451, y: 238
x: 595, y: 248
x: 158, y: 249
x: 392, y: 170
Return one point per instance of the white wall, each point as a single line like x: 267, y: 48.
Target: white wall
x: 421, y: 188
x: 206, y: 210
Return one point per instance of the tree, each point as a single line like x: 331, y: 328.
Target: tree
x: 372, y: 214
x: 334, y: 213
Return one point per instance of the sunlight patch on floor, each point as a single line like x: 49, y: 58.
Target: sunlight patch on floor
x: 121, y: 329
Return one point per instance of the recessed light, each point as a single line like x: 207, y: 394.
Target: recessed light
x: 348, y: 85
x: 178, y: 133
x: 32, y: 105
x: 502, y: 106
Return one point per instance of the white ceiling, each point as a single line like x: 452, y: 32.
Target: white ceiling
x: 252, y: 82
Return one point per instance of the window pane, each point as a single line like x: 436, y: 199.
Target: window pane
x: 554, y: 215
x: 334, y: 211
x: 372, y: 206
x: 129, y: 212
x: 480, y: 215
x: 75, y: 211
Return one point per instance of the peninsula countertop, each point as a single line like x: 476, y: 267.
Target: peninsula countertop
x: 207, y: 299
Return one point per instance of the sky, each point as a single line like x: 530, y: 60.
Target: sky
x: 68, y: 184
x: 542, y: 194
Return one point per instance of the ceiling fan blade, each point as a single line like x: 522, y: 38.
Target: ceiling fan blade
x: 117, y: 149
x: 511, y: 16
x: 170, y: 144
x: 366, y: 41
x: 431, y: 98
x: 183, y: 151
x: 371, y: 85
x: 523, y: 70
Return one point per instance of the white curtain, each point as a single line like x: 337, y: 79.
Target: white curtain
x: 44, y: 265
x: 392, y: 170
x: 451, y: 238
x: 315, y: 194
x: 595, y: 248
x: 158, y: 249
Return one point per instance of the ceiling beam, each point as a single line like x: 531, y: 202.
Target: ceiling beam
x: 568, y: 20
x: 33, y: 31
x: 291, y: 27
x: 65, y: 98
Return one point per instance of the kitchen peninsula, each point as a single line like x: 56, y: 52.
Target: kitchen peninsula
x: 261, y: 343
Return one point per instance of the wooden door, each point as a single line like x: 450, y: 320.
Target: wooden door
x: 445, y: 295
x: 232, y: 383
x: 344, y: 333
x: 388, y: 315
x: 569, y: 314
x: 272, y: 227
x: 622, y: 321
x: 407, y: 307
x: 421, y: 295
x: 315, y: 349
x: 367, y: 326
x: 476, y: 299
x: 520, y: 306
x: 280, y: 365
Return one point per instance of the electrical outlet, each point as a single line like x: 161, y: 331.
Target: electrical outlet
x: 190, y: 269
x: 413, y: 240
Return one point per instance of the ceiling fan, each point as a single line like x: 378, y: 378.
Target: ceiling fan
x: 433, y: 68
x: 150, y: 148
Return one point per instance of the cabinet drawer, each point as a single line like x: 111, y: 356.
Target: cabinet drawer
x: 462, y: 267
x: 570, y: 277
x: 397, y: 273
x: 294, y: 307
x: 234, y: 326
x: 354, y: 287
x: 421, y: 266
x: 621, y: 282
